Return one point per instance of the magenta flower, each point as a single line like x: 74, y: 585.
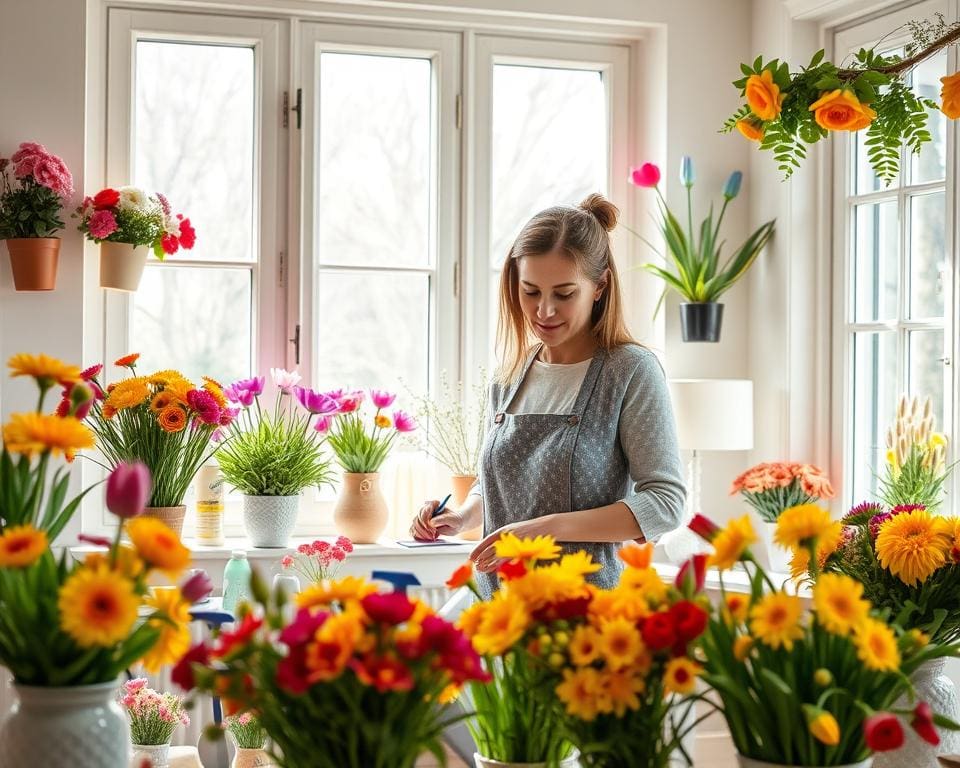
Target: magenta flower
x: 227, y: 415
x: 284, y: 380
x: 647, y: 175
x: 128, y: 489
x: 323, y: 424
x: 97, y: 541
x: 403, y: 421
x: 204, y: 404
x: 245, y: 391
x: 101, y: 225
x: 196, y: 587
x: 315, y: 402
x: 334, y: 394
x: 351, y: 401
x: 381, y: 398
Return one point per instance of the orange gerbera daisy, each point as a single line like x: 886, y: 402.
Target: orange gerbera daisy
x: 21, y: 546
x: 172, y: 418
x: 160, y: 401
x: 30, y: 433
x: 45, y: 369
x: 127, y: 361
x: 159, y: 546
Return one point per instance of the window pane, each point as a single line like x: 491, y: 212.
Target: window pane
x: 927, y: 254
x: 194, y: 140
x: 874, y: 398
x: 374, y: 160
x: 372, y: 329
x: 549, y: 144
x: 876, y: 261
x: 931, y: 163
x: 166, y: 328
x: 926, y: 369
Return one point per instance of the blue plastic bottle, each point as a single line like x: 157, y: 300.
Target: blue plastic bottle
x: 236, y: 581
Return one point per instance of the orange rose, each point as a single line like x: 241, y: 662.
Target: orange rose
x: 763, y: 95
x: 950, y: 94
x: 752, y: 129
x: 841, y: 110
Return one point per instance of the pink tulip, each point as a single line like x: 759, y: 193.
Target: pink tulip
x: 350, y: 401
x: 381, y: 398
x: 403, y: 421
x: 647, y: 175
x: 128, y: 489
x: 315, y: 402
x: 285, y: 380
x: 323, y: 424
x: 196, y: 587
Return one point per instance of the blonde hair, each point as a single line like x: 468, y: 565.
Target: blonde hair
x: 580, y: 233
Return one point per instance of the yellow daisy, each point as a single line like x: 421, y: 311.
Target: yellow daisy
x: 32, y: 433
x: 216, y: 389
x: 736, y: 608
x: 578, y: 564
x: 97, y: 608
x: 622, y: 688
x: 680, y: 675
x: 645, y: 583
x: 731, y: 542
x: 349, y: 589
x: 912, y: 545
x: 839, y: 603
x: 503, y: 624
x: 129, y: 393
x: 620, y: 643
x: 45, y: 369
x: 174, y: 637
x: 799, y: 525
x: 382, y: 421
x: 584, y: 648
x: 159, y: 546
x: 21, y: 546
x: 827, y: 544
x: 580, y: 691
x: 164, y: 377
x: 775, y: 620
x: 511, y: 547
x: 877, y: 646
x: 128, y: 562
x: 470, y: 619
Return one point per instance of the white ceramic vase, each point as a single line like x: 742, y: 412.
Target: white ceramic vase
x: 73, y: 727
x: 121, y: 265
x: 938, y: 690
x: 746, y: 762
x: 269, y: 520
x: 157, y: 754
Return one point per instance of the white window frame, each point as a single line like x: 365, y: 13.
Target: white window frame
x: 852, y: 37
x: 268, y: 296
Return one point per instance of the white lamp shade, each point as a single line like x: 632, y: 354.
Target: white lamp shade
x: 713, y: 414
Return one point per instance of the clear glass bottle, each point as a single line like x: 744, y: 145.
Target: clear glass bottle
x: 236, y: 580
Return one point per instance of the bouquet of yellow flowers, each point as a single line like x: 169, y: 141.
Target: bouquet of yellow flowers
x: 601, y: 669
x: 837, y: 665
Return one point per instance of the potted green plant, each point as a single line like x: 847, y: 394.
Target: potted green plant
x: 30, y: 208
x: 699, y: 276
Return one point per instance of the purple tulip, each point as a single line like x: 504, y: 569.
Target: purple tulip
x: 128, y: 489
x: 381, y: 398
x: 315, y: 402
x: 403, y: 421
x: 196, y: 587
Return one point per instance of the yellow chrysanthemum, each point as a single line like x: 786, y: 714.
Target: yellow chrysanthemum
x: 470, y: 619
x: 581, y: 691
x: 877, y: 646
x: 172, y: 418
x: 32, y: 433
x: 511, y: 547
x: 540, y: 586
x: 731, y: 542
x: 775, y: 620
x: 742, y: 647
x: 503, y: 624
x: 179, y: 389
x: 97, y: 607
x: 127, y: 563
x: 584, y: 647
x: 21, y: 546
x: 160, y: 401
x: 174, y: 638
x: 827, y: 544
x: 622, y: 688
x: 645, y: 583
x: 912, y: 545
x: 680, y: 675
x: 578, y: 564
x: 799, y: 525
x: 159, y: 546
x: 620, y: 643
x: 162, y: 378
x: 45, y: 369
x: 129, y: 393
x: 345, y: 591
x: 736, y: 608
x: 839, y: 603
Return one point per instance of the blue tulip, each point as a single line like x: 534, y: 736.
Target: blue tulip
x: 686, y: 172
x: 732, y: 188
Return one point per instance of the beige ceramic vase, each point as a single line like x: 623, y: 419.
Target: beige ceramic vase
x: 121, y: 265
x: 461, y: 485
x: 361, y: 511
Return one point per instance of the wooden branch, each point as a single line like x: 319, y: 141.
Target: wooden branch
x: 902, y: 66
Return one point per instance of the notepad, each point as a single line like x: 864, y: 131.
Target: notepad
x: 437, y: 543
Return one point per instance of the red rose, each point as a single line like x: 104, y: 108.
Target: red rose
x: 188, y: 235
x: 689, y: 619
x: 388, y: 607
x: 883, y: 732
x: 923, y: 723
x: 106, y: 198
x: 704, y: 527
x: 659, y: 631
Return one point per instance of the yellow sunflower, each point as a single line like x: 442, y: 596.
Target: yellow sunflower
x: 345, y: 591
x: 680, y: 675
x: 620, y: 643
x: 159, y: 546
x: 32, y: 433
x: 877, y: 646
x: 799, y: 525
x: 21, y: 546
x: 97, y: 607
x: 839, y: 603
x: 622, y: 688
x: 45, y: 369
x: 584, y: 647
x: 912, y: 545
x: 174, y: 638
x: 775, y: 620
x: 503, y: 624
x: 581, y: 691
x: 731, y: 542
x: 129, y: 393
x: 511, y: 547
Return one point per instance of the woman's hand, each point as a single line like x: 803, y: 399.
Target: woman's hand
x: 484, y: 555
x: 425, y: 527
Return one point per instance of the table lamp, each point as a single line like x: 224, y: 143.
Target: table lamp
x: 711, y: 415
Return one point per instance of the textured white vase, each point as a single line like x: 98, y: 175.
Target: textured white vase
x: 486, y: 762
x: 269, y: 520
x: 938, y: 690
x: 251, y: 758
x: 75, y: 727
x: 157, y: 754
x: 746, y: 762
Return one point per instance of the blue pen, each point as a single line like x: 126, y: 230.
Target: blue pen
x: 439, y: 509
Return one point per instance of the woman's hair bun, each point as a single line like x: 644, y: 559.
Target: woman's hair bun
x: 602, y: 210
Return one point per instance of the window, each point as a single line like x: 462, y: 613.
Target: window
x: 894, y: 293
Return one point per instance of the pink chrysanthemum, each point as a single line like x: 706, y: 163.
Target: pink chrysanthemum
x: 101, y: 225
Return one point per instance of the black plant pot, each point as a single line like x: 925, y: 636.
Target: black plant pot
x: 701, y: 322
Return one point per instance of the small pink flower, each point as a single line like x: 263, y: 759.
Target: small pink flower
x: 323, y: 424
x: 345, y: 544
x: 284, y: 380
x: 320, y: 547
x: 404, y: 422
x: 137, y: 684
x: 350, y: 401
x: 647, y: 175
x: 286, y: 561
x: 305, y: 549
x: 51, y: 172
x: 338, y: 554
x: 381, y: 398
x: 102, y: 224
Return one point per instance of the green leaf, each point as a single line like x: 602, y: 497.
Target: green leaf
x: 817, y: 58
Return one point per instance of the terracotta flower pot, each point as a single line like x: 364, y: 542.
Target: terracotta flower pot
x: 34, y: 262
x: 746, y: 762
x: 121, y: 265
x: 361, y: 511
x: 172, y: 516
x: 461, y: 485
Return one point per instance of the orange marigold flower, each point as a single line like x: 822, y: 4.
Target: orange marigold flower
x: 127, y: 361
x: 159, y: 546
x: 172, y: 418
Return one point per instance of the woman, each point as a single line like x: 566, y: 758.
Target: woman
x: 582, y: 442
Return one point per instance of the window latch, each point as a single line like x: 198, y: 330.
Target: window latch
x: 296, y: 344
